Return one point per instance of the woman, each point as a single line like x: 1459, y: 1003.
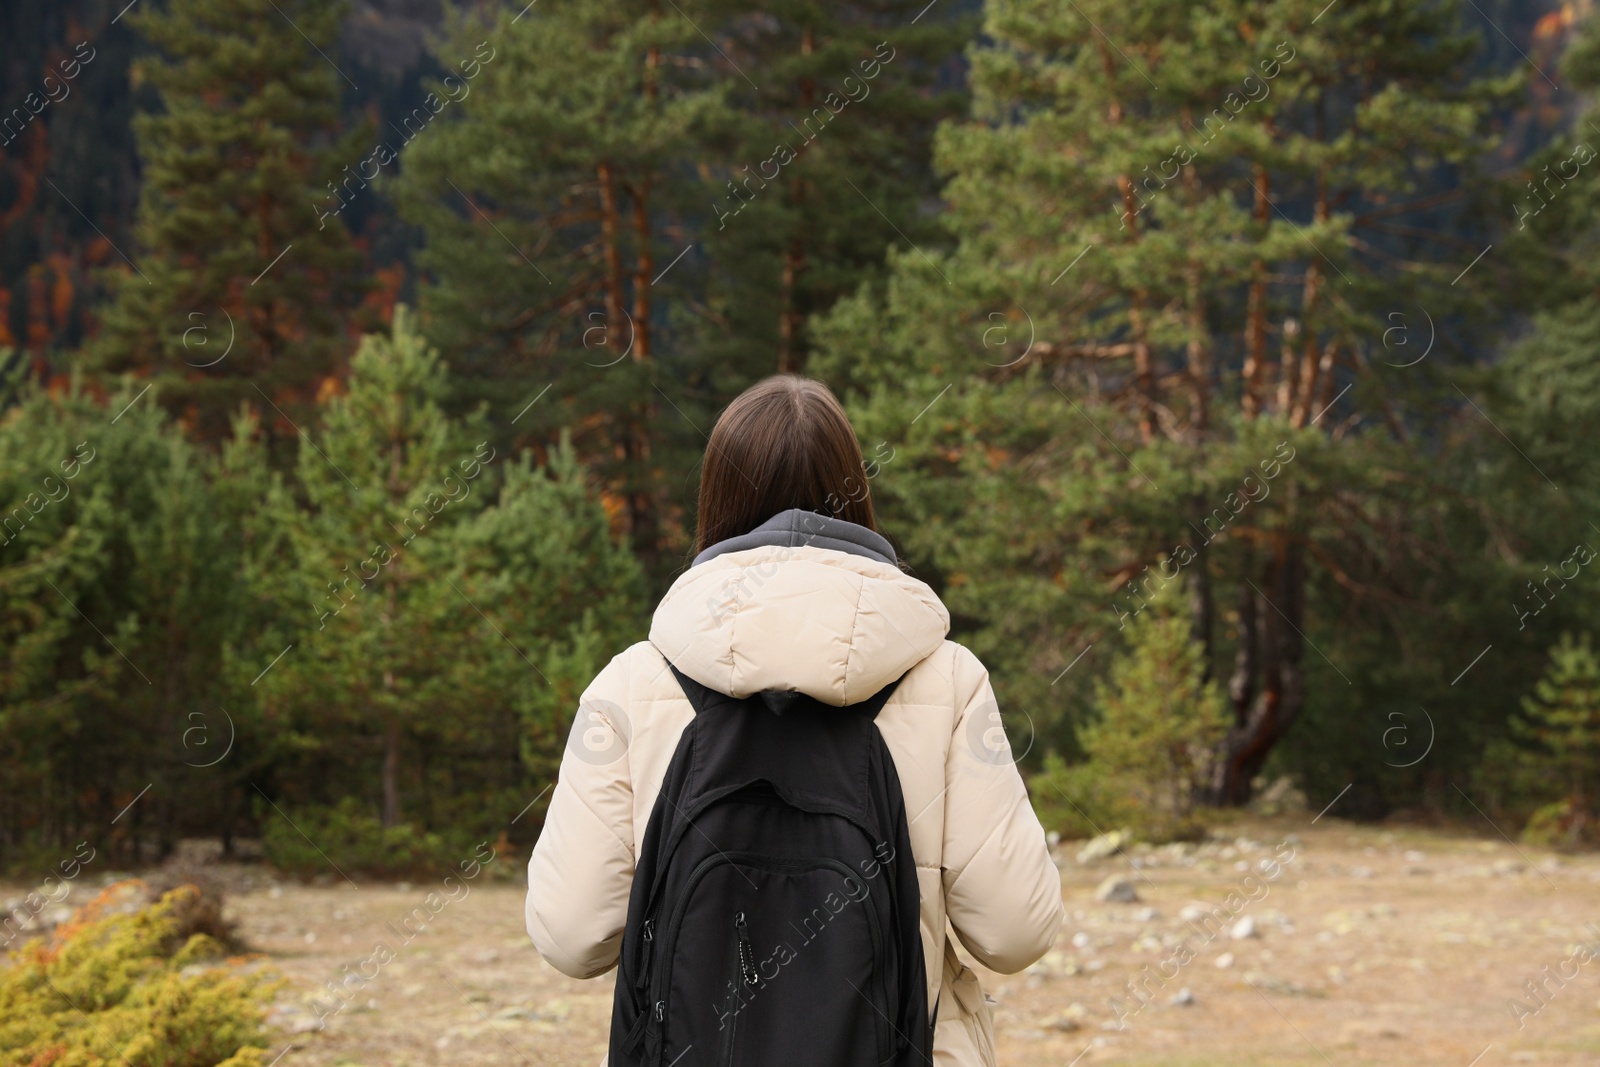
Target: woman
x: 793, y: 589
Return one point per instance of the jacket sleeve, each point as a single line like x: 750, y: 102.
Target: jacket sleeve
x: 581, y: 870
x: 1002, y: 890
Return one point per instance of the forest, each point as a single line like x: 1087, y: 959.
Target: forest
x: 1225, y: 368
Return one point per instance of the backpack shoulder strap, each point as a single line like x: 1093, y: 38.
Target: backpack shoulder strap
x: 699, y: 695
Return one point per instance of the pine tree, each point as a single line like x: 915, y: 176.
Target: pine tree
x: 239, y: 289
x: 118, y: 597
x: 1159, y: 720
x: 385, y: 482
x: 1179, y: 235
x: 825, y: 162
x: 553, y: 205
x: 666, y: 196
x: 449, y: 598
x: 544, y: 563
x: 1561, y: 722
x: 1551, y: 374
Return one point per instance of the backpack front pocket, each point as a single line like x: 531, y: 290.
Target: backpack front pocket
x: 772, y: 963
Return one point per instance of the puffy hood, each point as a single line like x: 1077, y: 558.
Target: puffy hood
x: 804, y: 603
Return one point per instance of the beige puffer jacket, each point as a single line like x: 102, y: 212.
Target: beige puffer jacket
x: 837, y: 626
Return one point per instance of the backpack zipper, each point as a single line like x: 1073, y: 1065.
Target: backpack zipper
x: 760, y: 861
x: 741, y: 951
x: 643, y: 976
x: 658, y: 988
x: 747, y: 958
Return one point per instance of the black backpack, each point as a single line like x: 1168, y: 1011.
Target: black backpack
x: 773, y: 920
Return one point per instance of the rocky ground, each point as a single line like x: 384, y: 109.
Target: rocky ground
x: 1284, y: 944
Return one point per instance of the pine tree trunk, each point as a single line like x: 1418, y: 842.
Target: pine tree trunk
x: 642, y: 275
x: 1268, y: 686
x: 1255, y: 332
x: 1287, y: 364
x: 632, y: 437
x: 613, y: 254
x: 642, y: 512
x: 1313, y: 359
x: 789, y: 318
x: 1199, y: 346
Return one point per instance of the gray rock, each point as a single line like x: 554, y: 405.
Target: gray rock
x: 1104, y: 846
x: 1117, y: 890
x: 1182, y: 998
x: 1245, y: 927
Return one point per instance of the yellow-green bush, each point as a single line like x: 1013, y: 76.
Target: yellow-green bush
x: 117, y: 988
x: 1150, y: 747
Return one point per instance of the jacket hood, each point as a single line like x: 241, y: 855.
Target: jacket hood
x: 804, y: 603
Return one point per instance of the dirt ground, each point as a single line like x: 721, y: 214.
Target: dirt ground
x: 1370, y: 946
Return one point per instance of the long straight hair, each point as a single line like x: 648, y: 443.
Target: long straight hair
x: 783, y: 443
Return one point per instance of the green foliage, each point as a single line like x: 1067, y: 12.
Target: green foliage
x: 1562, y: 824
x: 361, y: 842
x: 121, y: 987
x: 1159, y: 722
x: 1560, y: 725
x: 1159, y: 718
x: 234, y: 166
x: 548, y: 202
x: 1081, y: 800
x: 665, y: 201
x: 117, y: 601
x: 549, y: 567
x: 1153, y: 270
x: 1070, y: 402
x: 814, y: 174
x: 404, y: 523
x: 404, y: 618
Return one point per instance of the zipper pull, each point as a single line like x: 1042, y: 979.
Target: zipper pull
x: 747, y: 964
x: 649, y: 932
x: 661, y: 1010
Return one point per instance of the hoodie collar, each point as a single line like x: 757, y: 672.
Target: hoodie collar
x: 797, y: 527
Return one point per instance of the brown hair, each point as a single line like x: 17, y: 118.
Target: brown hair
x: 783, y: 443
